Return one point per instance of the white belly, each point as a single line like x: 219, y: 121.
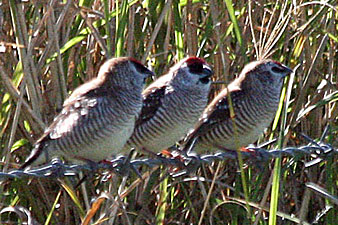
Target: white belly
x: 166, y: 140
x: 234, y: 142
x: 103, y: 149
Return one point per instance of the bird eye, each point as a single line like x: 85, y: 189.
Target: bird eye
x: 141, y: 68
x: 276, y: 69
x: 196, y: 67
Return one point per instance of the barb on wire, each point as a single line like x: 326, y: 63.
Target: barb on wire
x: 318, y: 150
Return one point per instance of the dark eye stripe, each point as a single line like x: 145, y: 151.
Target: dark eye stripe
x: 140, y: 67
x: 277, y: 69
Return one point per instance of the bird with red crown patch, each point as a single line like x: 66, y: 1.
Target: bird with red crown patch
x: 172, y: 105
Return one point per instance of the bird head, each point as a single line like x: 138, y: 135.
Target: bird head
x: 192, y: 72
x: 124, y: 72
x: 265, y: 73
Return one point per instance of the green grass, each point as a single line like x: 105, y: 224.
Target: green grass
x: 48, y: 50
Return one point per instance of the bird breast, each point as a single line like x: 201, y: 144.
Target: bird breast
x: 177, y: 114
x: 252, y: 115
x: 99, y: 133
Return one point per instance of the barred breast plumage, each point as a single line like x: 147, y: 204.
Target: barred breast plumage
x: 255, y: 98
x: 172, y: 105
x: 98, y: 118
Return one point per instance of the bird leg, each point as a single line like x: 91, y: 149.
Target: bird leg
x: 231, y: 152
x: 158, y: 156
x: 143, y: 149
x: 186, y: 163
x: 124, y: 166
x: 254, y: 156
x: 93, y: 167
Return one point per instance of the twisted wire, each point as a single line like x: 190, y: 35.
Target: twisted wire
x: 317, y: 149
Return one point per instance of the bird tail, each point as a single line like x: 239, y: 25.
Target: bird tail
x: 36, y: 152
x: 189, y: 143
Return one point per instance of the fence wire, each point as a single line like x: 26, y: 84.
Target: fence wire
x: 318, y: 150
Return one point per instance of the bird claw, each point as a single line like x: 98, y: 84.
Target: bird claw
x: 193, y: 162
x: 56, y: 169
x: 190, y: 164
x: 257, y: 154
x: 124, y: 165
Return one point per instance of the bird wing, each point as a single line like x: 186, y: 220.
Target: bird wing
x: 152, y: 101
x: 77, y: 108
x: 216, y: 113
x: 68, y: 118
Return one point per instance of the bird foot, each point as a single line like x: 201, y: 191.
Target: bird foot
x: 254, y: 156
x: 185, y: 163
x: 257, y: 154
x: 93, y: 168
x: 124, y: 165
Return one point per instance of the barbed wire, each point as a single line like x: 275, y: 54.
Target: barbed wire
x: 187, y: 163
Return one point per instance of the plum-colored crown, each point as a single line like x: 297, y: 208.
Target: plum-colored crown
x: 135, y: 60
x: 193, y: 60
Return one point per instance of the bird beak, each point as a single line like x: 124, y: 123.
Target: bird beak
x: 207, y: 71
x: 151, y: 74
x: 287, y: 72
x: 148, y: 74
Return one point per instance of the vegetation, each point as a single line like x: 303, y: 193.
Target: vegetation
x: 47, y: 48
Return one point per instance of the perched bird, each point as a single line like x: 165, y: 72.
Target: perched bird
x: 255, y: 97
x: 98, y: 118
x: 172, y: 105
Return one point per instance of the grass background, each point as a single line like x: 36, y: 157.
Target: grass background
x: 49, y: 47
